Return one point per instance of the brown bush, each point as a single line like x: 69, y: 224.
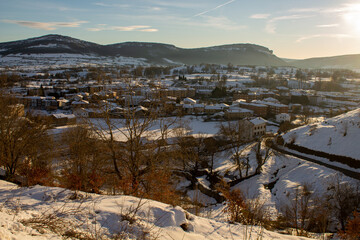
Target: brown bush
x: 235, y: 202
x: 352, y: 229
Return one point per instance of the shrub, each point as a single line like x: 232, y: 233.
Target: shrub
x: 352, y: 229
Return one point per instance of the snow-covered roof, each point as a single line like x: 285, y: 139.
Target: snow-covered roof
x: 270, y: 99
x: 257, y: 121
x: 237, y: 110
x: 269, y: 103
x: 213, y: 107
x: 62, y: 115
x: 282, y: 114
x: 255, y: 104
x: 198, y: 105
x: 189, y: 100
x: 80, y: 102
x: 141, y: 108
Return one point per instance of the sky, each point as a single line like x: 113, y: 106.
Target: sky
x: 293, y: 29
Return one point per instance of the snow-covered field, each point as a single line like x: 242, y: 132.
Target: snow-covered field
x: 30, y: 213
x: 191, y: 125
x: 338, y: 135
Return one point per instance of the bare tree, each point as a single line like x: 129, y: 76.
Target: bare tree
x: 21, y: 137
x: 237, y: 133
x: 84, y: 166
x: 211, y: 149
x: 320, y: 220
x: 128, y: 154
x: 344, y: 199
x: 305, y: 116
x: 184, y: 153
x: 263, y: 152
x: 131, y: 146
x: 299, y: 210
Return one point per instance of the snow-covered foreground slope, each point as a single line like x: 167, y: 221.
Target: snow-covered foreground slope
x: 282, y: 174
x: 338, y: 135
x: 22, y: 210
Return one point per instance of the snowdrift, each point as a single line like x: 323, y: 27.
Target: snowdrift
x: 48, y: 212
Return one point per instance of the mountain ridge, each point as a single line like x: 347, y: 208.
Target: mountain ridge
x: 351, y: 61
x: 238, y: 54
x: 169, y: 54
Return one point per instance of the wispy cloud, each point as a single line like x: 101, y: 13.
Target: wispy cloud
x: 103, y: 4
x: 339, y: 36
x: 155, y: 8
x: 45, y: 25
x: 349, y: 12
x: 221, y: 22
x: 260, y: 16
x: 94, y: 29
x: 130, y: 28
x: 217, y: 7
x: 138, y: 28
x: 176, y: 4
x: 328, y: 25
x: 128, y: 6
x: 341, y: 9
x: 304, y: 10
x: 271, y: 24
x: 149, y: 30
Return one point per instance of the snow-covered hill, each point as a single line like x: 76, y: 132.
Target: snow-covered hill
x: 351, y: 61
x: 48, y: 212
x: 338, y: 135
x: 151, y: 53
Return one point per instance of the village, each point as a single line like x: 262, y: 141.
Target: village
x: 262, y: 95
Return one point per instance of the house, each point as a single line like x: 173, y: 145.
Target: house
x: 60, y: 119
x: 35, y: 102
x: 282, y: 117
x: 258, y: 127
x: 131, y: 100
x: 248, y: 97
x: 81, y: 112
x: 188, y: 108
x: 253, y: 128
x: 81, y: 103
x: 199, y: 108
x: 49, y: 103
x: 237, y: 113
x: 141, y: 111
x: 117, y: 112
x: 63, y: 103
x: 273, y: 108
x: 296, y: 108
x: 178, y: 92
x: 315, y: 99
x: 271, y: 99
x: 260, y: 110
x: 211, y: 109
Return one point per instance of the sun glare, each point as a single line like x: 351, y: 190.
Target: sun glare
x: 352, y: 17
